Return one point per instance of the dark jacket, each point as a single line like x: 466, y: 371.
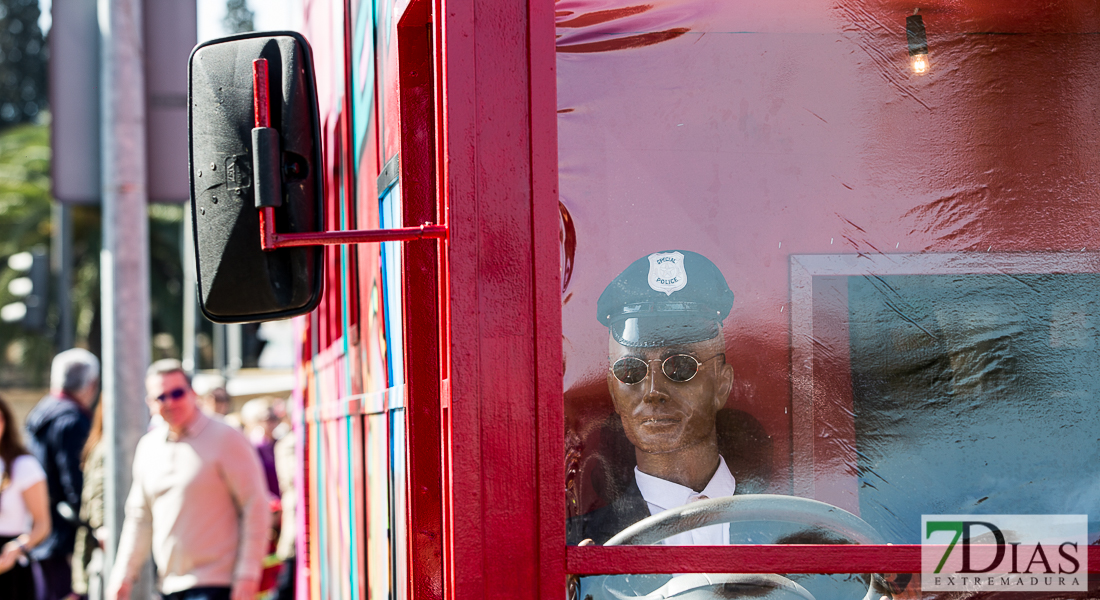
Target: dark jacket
x: 742, y: 440
x: 602, y: 524
x: 56, y: 431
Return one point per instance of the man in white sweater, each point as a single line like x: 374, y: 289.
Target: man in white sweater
x: 198, y: 502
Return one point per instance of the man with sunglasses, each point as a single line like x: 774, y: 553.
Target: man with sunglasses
x: 668, y: 378
x: 198, y: 502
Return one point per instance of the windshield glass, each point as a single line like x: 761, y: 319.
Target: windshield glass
x: 804, y: 254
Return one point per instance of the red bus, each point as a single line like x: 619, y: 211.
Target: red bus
x: 900, y: 200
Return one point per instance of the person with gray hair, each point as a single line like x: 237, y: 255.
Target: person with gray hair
x: 74, y: 371
x: 57, y: 428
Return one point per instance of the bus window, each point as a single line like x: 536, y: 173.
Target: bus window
x: 792, y: 267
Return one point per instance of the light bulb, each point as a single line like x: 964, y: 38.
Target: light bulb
x: 918, y: 44
x: 919, y: 63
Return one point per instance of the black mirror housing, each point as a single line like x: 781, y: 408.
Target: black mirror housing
x: 238, y: 280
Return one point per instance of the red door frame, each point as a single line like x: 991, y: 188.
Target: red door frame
x: 420, y: 303
x: 504, y: 516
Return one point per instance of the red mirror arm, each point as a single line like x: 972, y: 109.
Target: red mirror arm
x: 266, y: 166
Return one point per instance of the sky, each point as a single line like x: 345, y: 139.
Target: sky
x: 270, y: 15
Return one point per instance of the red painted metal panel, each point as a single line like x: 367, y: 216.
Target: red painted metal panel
x: 744, y: 559
x: 368, y: 261
x: 326, y: 311
x: 493, y: 552
x: 307, y: 530
x: 421, y: 307
x: 333, y: 316
x: 542, y: 63
x: 313, y: 505
x: 809, y: 558
x: 463, y: 498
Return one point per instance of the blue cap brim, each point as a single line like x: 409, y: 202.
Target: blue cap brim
x: 654, y: 331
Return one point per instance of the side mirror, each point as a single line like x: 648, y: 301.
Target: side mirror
x: 238, y: 280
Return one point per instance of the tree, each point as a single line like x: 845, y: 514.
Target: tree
x: 23, y: 57
x: 238, y: 18
x: 24, y: 224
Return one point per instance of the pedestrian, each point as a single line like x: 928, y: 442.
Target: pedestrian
x: 23, y: 500
x: 57, y: 428
x: 214, y: 400
x: 198, y: 501
x: 217, y: 402
x: 259, y: 420
x: 87, y: 554
x: 286, y: 464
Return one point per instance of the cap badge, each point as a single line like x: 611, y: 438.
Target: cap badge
x: 666, y: 272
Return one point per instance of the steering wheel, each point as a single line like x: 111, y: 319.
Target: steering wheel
x: 707, y: 586
x: 817, y: 517
x: 748, y: 507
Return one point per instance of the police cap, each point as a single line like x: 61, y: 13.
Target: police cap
x: 664, y: 299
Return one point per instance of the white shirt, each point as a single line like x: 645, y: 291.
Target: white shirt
x: 15, y: 519
x: 662, y: 495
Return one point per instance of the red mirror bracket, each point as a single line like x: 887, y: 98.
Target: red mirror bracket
x: 270, y: 240
x: 268, y: 188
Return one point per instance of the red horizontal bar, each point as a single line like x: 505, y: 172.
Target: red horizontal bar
x: 323, y: 238
x: 270, y: 240
x: 808, y: 558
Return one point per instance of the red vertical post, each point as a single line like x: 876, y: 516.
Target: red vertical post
x: 417, y: 102
x: 542, y: 65
x: 496, y: 202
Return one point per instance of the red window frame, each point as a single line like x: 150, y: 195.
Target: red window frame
x: 421, y: 304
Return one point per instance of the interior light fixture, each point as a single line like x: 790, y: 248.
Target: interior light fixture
x: 918, y: 43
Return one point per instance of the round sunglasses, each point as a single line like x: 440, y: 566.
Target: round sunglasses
x: 680, y: 368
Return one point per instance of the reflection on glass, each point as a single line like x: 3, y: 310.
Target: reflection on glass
x: 970, y: 394
x: 883, y: 357
x: 974, y: 395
